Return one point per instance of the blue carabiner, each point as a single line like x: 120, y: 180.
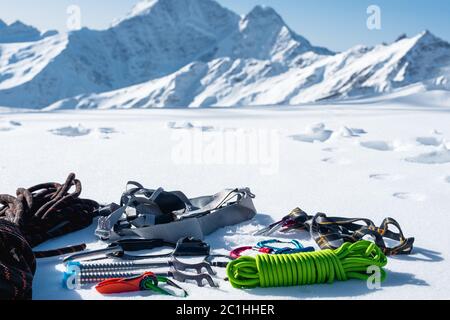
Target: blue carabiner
x: 298, y: 247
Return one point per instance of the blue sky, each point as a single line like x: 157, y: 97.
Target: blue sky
x: 336, y: 24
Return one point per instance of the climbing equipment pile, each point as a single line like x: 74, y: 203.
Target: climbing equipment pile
x: 350, y: 261
x: 170, y: 216
x: 148, y: 219
x: 332, y: 232
x: 268, y: 247
x: 34, y: 216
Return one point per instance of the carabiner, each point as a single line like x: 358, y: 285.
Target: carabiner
x: 298, y: 247
x: 124, y: 285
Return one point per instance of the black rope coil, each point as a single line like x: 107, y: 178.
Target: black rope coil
x: 35, y: 215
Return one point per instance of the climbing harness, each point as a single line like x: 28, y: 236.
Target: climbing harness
x: 34, y: 216
x: 268, y: 248
x: 331, y: 232
x: 157, y: 214
x: 186, y: 247
x: 350, y: 261
x: 145, y: 282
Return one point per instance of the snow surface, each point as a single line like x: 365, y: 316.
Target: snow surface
x: 338, y: 176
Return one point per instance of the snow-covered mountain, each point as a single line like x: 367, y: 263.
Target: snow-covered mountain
x: 195, y: 53
x: 20, y: 32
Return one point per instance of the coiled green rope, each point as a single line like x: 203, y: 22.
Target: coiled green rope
x: 350, y: 261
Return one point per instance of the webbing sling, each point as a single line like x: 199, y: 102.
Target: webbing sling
x: 332, y: 232
x: 170, y: 216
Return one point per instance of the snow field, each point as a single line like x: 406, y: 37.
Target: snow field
x: 363, y: 169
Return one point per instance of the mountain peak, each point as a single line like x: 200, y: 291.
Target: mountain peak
x: 427, y: 36
x: 207, y: 13
x: 263, y: 11
x: 142, y: 7
x: 401, y: 37
x: 19, y: 24
x: 426, y: 33
x: 18, y: 32
x: 233, y: 60
x: 169, y: 6
x: 263, y: 20
x: 264, y: 15
x: 427, y: 41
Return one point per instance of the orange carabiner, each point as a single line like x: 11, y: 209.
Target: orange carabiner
x: 123, y: 285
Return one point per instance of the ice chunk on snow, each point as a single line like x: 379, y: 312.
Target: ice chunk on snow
x: 378, y: 145
x: 347, y: 132
x: 15, y: 123
x: 107, y: 130
x: 70, y: 131
x: 440, y: 156
x: 6, y: 126
x: 188, y: 126
x: 358, y: 131
x: 314, y: 133
x: 180, y: 125
x: 429, y: 141
x: 410, y: 196
x: 316, y: 128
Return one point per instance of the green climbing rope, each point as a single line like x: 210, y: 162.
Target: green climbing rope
x: 350, y: 261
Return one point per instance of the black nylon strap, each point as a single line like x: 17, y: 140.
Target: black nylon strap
x: 331, y: 232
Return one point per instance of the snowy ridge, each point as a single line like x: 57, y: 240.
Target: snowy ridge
x: 195, y: 53
x: 22, y: 62
x: 20, y: 32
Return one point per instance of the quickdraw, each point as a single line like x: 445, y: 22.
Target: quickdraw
x: 332, y: 232
x: 145, y: 282
x: 266, y: 248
